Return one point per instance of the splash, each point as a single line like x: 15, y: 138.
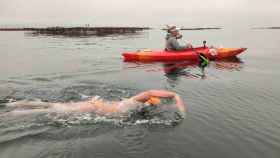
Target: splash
x: 132, y: 118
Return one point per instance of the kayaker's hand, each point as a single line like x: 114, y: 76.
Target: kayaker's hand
x: 189, y: 45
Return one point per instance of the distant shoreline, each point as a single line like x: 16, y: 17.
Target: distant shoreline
x: 266, y: 28
x: 199, y: 28
x: 14, y: 29
x: 129, y: 28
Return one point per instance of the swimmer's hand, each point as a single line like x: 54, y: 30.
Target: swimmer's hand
x: 180, y: 105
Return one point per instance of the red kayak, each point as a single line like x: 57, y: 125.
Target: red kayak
x: 188, y: 54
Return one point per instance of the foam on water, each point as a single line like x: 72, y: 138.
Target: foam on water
x: 68, y: 120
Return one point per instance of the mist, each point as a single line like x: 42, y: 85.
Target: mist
x: 191, y: 13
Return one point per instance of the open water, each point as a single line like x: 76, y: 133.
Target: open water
x: 233, y: 110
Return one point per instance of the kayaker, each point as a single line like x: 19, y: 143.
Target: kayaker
x: 172, y: 37
x: 98, y: 105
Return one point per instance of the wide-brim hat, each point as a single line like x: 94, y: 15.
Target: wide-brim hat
x: 172, y: 29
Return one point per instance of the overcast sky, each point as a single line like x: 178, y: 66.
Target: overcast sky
x: 190, y: 13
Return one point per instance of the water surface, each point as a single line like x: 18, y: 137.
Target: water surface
x: 233, y: 110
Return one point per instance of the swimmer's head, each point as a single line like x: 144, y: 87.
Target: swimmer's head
x: 153, y: 101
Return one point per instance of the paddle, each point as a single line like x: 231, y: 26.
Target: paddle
x: 204, y: 44
x: 203, y: 60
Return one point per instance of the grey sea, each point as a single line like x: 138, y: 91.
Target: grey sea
x: 233, y: 111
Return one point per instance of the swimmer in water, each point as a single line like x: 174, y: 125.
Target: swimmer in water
x: 97, y: 105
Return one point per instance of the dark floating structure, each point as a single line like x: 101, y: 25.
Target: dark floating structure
x: 87, y: 31
x: 199, y: 28
x: 264, y: 28
x: 80, y: 31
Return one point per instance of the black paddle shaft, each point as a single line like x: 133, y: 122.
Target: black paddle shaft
x: 204, y: 44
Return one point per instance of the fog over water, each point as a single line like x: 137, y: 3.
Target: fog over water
x: 192, y: 13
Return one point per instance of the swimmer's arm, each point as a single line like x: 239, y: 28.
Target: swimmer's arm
x: 180, y: 104
x: 145, y: 96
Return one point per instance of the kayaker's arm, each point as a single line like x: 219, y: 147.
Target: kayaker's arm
x: 175, y: 45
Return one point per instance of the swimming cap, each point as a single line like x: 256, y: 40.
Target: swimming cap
x: 154, y: 101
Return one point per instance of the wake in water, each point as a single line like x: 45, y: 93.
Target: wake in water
x: 164, y: 115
